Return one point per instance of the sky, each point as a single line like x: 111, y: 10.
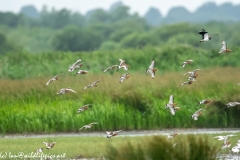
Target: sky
x: 82, y: 6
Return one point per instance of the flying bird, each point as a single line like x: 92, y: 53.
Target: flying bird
x: 171, y: 105
x: 205, y: 35
x: 224, y: 48
x: 55, y: 78
x: 65, y: 90
x: 187, y: 62
x: 205, y: 101
x: 196, y: 114
x: 235, y: 149
x: 112, y: 134
x: 170, y: 136
x: 75, y: 65
x: 151, y: 69
x: 94, y: 84
x: 232, y: 104
x: 124, y: 77
x: 88, y: 126
x: 81, y: 72
x: 122, y: 65
x: 110, y: 68
x: 190, y: 81
x: 226, y: 144
x: 220, y: 138
x: 83, y: 108
x: 192, y: 73
x: 49, y: 145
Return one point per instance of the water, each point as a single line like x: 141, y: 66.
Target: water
x: 130, y: 133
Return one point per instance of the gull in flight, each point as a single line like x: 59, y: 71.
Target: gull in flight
x: 171, y: 105
x: 187, y: 62
x: 151, y: 69
x: 205, y: 35
x: 124, y: 77
x: 123, y: 65
x: 88, y: 126
x: 65, y: 90
x: 112, y: 134
x: 55, y: 78
x: 224, y: 48
x: 110, y: 68
x: 196, y: 114
x: 94, y: 84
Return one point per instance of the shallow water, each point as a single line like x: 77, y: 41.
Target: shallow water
x: 129, y: 133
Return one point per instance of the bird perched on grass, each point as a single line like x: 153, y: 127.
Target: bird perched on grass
x: 55, y: 78
x: 151, y: 69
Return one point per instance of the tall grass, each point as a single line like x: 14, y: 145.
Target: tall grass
x: 158, y: 147
x: 137, y: 103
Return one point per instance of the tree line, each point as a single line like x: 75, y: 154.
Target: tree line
x: 114, y: 29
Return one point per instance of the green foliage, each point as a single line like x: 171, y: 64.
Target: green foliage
x: 109, y: 46
x: 158, y: 147
x: 76, y: 39
x: 51, y: 63
x: 6, y: 46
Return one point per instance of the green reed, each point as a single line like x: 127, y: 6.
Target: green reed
x: 138, y: 103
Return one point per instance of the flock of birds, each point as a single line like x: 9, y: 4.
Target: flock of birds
x: 150, y: 70
x: 226, y: 143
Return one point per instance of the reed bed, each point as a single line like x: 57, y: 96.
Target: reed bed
x: 28, y: 106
